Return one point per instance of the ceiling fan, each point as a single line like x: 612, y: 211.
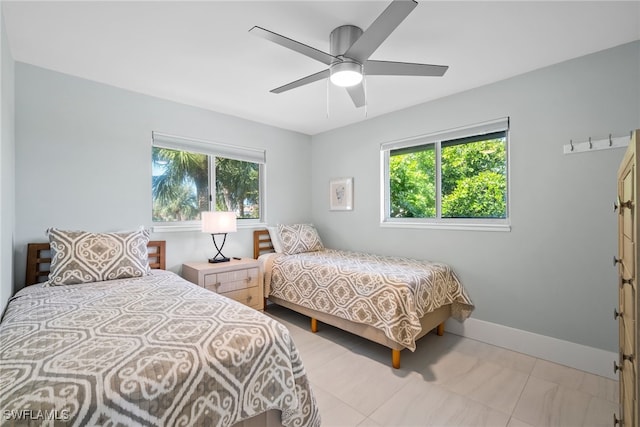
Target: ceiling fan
x: 350, y: 49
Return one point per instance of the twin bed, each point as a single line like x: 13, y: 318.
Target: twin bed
x: 149, y: 349
x: 393, y: 301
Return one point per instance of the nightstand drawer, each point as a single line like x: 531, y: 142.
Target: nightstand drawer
x: 250, y: 296
x: 231, y: 280
x: 238, y: 279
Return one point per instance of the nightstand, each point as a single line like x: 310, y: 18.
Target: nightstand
x: 238, y: 279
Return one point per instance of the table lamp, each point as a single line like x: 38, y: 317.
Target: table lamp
x: 215, y: 223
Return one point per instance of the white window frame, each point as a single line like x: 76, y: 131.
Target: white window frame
x: 213, y: 150
x: 437, y: 138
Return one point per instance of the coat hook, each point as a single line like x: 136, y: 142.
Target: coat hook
x: 610, y: 141
x: 571, y: 143
x: 590, y: 144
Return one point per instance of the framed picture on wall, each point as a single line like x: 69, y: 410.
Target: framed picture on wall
x: 341, y: 194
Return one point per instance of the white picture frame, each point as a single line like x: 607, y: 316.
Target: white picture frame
x: 341, y: 194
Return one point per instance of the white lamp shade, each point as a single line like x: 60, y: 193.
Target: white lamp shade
x: 218, y: 222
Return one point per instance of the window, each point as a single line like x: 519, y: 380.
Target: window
x: 190, y: 176
x: 453, y: 178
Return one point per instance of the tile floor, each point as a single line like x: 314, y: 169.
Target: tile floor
x: 448, y: 381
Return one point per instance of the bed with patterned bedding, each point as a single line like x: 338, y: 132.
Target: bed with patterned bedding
x: 391, y: 300
x: 152, y: 350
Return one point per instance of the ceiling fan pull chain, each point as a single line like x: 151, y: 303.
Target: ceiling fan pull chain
x: 327, y: 98
x: 366, y: 104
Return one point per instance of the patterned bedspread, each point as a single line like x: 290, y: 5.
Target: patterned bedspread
x: 388, y: 293
x: 154, y: 350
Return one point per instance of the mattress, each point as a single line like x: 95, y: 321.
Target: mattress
x: 154, y: 350
x: 389, y: 293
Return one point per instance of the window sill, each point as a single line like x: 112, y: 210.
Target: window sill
x: 448, y: 226
x: 198, y: 227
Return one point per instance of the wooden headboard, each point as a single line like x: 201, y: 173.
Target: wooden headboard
x: 39, y: 259
x: 261, y: 243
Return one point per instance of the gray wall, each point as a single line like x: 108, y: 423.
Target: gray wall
x: 552, y: 274
x: 7, y: 171
x: 83, y: 161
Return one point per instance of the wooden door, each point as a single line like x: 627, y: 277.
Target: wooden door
x: 628, y: 297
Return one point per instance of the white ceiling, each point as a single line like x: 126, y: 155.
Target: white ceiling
x: 200, y: 53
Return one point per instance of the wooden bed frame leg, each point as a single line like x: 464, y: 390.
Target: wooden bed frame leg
x: 314, y: 325
x: 440, y: 330
x: 395, y: 358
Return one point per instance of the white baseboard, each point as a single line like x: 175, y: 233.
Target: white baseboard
x: 589, y: 359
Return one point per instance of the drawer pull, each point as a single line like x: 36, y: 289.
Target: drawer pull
x: 616, y: 314
x: 249, y: 279
x: 216, y: 285
x: 616, y: 260
x: 616, y: 421
x: 627, y: 281
x: 628, y: 357
x: 249, y: 298
x: 628, y: 204
x: 616, y: 367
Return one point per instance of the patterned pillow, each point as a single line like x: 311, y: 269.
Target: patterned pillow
x: 83, y: 257
x: 299, y: 238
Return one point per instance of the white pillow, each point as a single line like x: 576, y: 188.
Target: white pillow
x: 275, y: 239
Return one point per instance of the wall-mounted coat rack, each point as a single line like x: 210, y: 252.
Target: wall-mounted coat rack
x: 600, y: 144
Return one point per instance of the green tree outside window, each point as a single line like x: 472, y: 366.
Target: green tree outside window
x: 181, y: 186
x: 473, y: 179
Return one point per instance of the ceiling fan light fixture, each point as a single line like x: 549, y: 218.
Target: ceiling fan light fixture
x: 346, y: 73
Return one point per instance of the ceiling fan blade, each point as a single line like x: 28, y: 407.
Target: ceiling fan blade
x: 357, y: 95
x: 381, y: 28
x: 389, y: 68
x: 303, y: 81
x: 309, y: 51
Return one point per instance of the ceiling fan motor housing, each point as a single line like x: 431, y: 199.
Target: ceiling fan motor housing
x: 347, y: 72
x: 342, y: 38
